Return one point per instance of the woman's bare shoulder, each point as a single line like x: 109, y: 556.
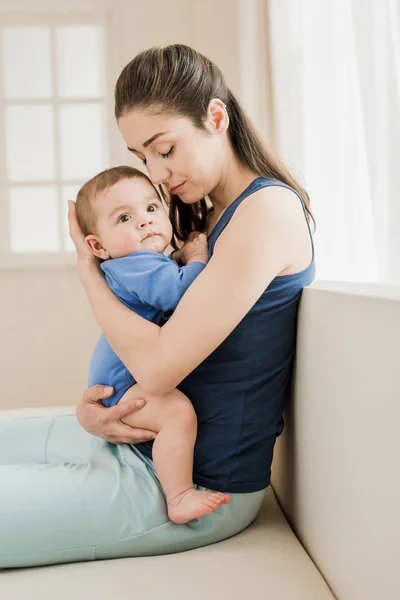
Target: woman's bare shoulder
x: 280, y: 209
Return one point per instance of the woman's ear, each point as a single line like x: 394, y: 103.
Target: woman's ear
x: 217, y: 119
x: 94, y: 245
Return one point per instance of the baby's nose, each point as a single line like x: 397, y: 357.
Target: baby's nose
x: 146, y: 221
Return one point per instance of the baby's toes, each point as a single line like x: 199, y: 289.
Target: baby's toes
x: 210, y: 505
x: 214, y: 501
x: 219, y: 495
x: 225, y: 498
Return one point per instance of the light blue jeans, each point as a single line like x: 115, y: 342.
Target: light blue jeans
x: 68, y: 496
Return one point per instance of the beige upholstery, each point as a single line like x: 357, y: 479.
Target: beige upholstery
x: 334, y: 472
x: 337, y: 464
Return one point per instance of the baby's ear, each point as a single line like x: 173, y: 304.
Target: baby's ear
x: 94, y: 245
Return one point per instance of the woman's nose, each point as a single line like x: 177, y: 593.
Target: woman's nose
x: 158, y: 172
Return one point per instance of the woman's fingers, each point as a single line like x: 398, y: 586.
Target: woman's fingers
x: 136, y: 435
x: 75, y: 231
x: 106, y: 422
x: 123, y: 434
x: 119, y: 411
x: 76, y: 234
x: 97, y: 393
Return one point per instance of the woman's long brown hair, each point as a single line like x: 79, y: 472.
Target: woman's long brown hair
x: 179, y: 80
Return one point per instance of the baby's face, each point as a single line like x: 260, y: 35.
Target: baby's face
x: 131, y: 218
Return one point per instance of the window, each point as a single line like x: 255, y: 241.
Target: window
x: 53, y: 128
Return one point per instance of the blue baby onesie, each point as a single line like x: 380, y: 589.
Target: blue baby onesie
x: 150, y: 284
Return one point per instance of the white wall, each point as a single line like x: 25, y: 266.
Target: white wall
x: 47, y: 331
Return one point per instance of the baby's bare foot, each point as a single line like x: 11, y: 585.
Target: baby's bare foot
x: 192, y: 504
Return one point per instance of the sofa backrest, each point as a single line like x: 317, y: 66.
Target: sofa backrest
x: 336, y: 466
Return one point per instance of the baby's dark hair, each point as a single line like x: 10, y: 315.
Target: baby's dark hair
x: 86, y: 198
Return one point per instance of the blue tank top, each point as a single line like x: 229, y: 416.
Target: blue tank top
x: 239, y: 391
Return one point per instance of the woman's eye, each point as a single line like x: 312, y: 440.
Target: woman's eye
x: 122, y: 219
x: 167, y: 154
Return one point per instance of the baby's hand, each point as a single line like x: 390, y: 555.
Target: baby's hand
x: 195, y: 250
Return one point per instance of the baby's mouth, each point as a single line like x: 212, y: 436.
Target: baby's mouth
x: 150, y: 234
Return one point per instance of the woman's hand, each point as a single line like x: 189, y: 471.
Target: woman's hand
x: 85, y: 256
x: 106, y: 422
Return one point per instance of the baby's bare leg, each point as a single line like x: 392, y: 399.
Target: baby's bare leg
x: 172, y: 416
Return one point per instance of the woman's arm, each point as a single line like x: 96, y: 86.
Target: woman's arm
x: 260, y: 241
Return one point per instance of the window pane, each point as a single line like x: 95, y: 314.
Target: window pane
x: 26, y: 62
x: 30, y: 143
x: 83, y: 140
x: 33, y: 219
x: 80, y: 61
x: 69, y: 192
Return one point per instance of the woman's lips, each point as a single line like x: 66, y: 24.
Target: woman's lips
x: 177, y: 189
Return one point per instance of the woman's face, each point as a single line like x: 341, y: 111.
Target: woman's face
x: 187, y: 160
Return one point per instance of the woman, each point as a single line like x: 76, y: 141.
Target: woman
x: 229, y: 346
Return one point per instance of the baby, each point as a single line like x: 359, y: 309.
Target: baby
x: 126, y: 226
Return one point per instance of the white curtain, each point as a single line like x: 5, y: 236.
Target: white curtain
x: 335, y: 71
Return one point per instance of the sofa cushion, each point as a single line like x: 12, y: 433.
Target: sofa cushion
x: 264, y: 561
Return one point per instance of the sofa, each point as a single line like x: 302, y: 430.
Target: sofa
x: 329, y: 525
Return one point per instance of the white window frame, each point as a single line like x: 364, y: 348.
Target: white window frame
x: 9, y: 259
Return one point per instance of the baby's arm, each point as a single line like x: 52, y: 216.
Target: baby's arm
x: 157, y: 280
x: 195, y: 258
x: 167, y: 284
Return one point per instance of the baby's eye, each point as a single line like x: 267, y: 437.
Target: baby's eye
x: 151, y: 208
x: 122, y: 218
